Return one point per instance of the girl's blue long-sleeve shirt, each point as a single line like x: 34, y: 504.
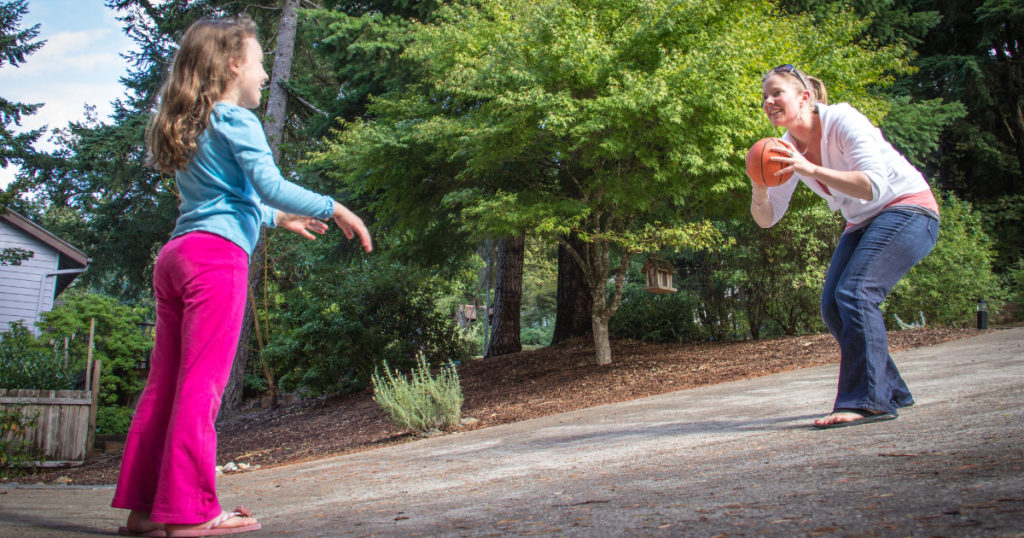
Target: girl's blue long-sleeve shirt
x: 232, y: 186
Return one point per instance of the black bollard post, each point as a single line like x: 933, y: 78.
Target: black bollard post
x: 982, y: 314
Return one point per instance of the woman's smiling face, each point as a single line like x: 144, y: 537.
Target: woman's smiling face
x: 781, y: 101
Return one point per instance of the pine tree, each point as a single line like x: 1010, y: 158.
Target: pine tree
x: 16, y: 44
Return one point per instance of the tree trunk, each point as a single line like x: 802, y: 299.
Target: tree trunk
x: 602, y: 343
x: 598, y: 315
x: 274, y: 119
x: 603, y: 310
x: 754, y: 305
x: 273, y: 126
x: 573, y: 313
x: 508, y: 298
x: 232, y: 398
x: 488, y: 271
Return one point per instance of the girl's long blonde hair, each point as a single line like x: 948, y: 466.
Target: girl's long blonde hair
x: 199, y: 76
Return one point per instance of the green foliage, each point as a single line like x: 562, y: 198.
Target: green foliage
x: 781, y: 270
x: 915, y: 129
x: 973, y: 57
x: 890, y: 23
x: 95, y: 188
x: 624, y: 123
x: 14, y: 256
x: 669, y: 317
x: 119, y: 340
x: 113, y: 419
x: 536, y: 335
x: 1001, y: 218
x: 1015, y: 285
x: 16, y: 452
x: 766, y: 282
x: 341, y: 323
x: 16, y: 44
x: 540, y: 281
x: 947, y: 284
x: 422, y: 402
x: 27, y: 364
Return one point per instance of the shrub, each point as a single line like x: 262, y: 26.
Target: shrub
x: 946, y: 285
x: 780, y: 270
x: 26, y: 364
x: 113, y: 419
x: 654, y: 318
x: 340, y: 324
x: 422, y: 402
x: 118, y: 340
x: 537, y: 335
x: 1015, y: 285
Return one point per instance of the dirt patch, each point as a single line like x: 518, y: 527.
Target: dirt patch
x: 512, y: 388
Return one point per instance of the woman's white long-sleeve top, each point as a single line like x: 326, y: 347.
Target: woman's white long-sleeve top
x: 850, y: 142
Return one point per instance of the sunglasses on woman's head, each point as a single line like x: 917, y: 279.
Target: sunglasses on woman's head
x: 790, y: 68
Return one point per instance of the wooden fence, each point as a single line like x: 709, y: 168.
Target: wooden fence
x: 64, y: 419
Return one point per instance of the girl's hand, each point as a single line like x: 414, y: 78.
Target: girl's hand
x: 794, y: 160
x: 352, y: 226
x: 300, y: 224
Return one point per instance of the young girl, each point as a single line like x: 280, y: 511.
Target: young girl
x: 225, y: 173
x: 892, y: 223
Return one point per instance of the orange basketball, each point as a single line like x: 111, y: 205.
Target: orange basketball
x: 761, y: 168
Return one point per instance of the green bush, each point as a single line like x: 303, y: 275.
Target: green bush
x: 474, y: 337
x: 422, y: 402
x: 947, y: 284
x: 341, y: 324
x: 26, y: 364
x: 654, y: 318
x: 536, y: 336
x: 1015, y: 286
x: 779, y: 271
x: 113, y: 419
x: 118, y: 340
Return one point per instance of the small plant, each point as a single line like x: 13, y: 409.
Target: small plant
x: 422, y: 402
x: 16, y: 453
x: 919, y: 324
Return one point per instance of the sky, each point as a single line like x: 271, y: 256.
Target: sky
x: 80, y: 64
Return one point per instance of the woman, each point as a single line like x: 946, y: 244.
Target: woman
x: 892, y: 223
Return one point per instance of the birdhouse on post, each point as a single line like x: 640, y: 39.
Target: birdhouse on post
x: 659, y: 275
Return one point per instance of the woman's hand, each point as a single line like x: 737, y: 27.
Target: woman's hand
x: 300, y: 224
x: 853, y: 182
x: 794, y: 160
x: 351, y: 225
x: 760, y: 206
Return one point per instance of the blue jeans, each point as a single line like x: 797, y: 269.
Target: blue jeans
x: 867, y: 263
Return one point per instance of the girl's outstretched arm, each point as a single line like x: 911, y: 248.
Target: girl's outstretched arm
x: 352, y: 226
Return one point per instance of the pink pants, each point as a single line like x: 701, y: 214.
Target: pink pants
x: 168, y: 469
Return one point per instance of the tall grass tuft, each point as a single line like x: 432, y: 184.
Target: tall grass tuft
x: 422, y: 402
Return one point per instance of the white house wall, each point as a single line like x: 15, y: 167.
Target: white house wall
x: 26, y: 290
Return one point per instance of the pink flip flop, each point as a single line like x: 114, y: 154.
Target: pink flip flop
x: 125, y: 531
x: 213, y: 528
